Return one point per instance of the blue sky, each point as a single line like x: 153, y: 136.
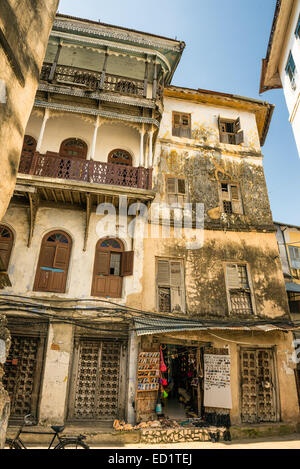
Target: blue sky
x: 225, y: 42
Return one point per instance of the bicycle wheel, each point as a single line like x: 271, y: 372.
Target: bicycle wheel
x: 72, y: 444
x: 12, y: 444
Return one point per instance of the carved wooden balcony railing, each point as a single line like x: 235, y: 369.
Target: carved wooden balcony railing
x: 55, y: 166
x: 93, y: 81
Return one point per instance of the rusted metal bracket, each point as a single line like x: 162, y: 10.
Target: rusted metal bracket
x: 87, y: 220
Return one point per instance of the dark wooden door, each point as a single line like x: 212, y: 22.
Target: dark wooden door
x: 22, y: 374
x: 258, y: 386
x: 94, y: 391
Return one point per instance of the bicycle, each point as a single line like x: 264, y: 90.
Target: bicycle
x: 63, y: 442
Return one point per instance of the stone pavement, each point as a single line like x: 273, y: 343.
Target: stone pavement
x: 275, y: 442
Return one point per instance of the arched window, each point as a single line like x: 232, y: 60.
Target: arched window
x: 73, y: 148
x: 6, y: 243
x: 52, y: 269
x: 111, y: 264
x: 119, y: 156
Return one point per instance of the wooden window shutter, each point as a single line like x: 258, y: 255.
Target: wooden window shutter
x: 239, y: 138
x: 102, y: 263
x: 61, y: 257
x: 232, y: 273
x: 163, y: 272
x: 176, y: 120
x: 181, y: 186
x: 171, y: 185
x: 47, y: 256
x: 175, y: 270
x: 177, y: 298
x: 237, y: 206
x: 127, y: 263
x: 237, y: 125
x: 5, y: 249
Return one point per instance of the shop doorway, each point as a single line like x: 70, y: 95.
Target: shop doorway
x: 183, y: 382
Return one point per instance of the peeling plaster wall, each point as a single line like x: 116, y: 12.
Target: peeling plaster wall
x: 204, y: 163
x: 205, y: 285
x: 56, y: 374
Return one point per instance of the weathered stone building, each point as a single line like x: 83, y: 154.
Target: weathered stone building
x: 24, y: 30
x: 91, y: 306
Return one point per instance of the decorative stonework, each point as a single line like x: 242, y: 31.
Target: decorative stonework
x: 182, y: 435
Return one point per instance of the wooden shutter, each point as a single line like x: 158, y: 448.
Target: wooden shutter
x: 5, y: 249
x: 171, y: 185
x: 127, y: 263
x: 102, y: 263
x: 47, y: 256
x: 163, y: 272
x: 181, y: 186
x: 233, y: 280
x: 237, y: 125
x: 61, y: 257
x: 177, y: 298
x: 239, y: 138
x: 236, y: 200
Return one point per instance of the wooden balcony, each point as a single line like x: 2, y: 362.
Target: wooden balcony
x: 52, y: 165
x: 93, y: 81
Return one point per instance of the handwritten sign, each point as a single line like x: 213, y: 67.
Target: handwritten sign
x: 217, y: 390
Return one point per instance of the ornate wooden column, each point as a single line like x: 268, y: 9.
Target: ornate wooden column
x: 104, y: 69
x: 53, y: 67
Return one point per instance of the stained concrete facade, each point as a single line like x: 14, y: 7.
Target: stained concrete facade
x: 74, y: 318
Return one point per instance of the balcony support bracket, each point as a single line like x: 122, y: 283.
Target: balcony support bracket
x: 33, y: 208
x: 87, y: 220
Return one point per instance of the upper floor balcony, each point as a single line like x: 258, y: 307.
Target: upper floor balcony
x: 54, y: 165
x: 89, y: 80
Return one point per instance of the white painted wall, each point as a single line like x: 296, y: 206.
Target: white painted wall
x: 292, y: 97
x: 110, y: 136
x: 204, y: 122
x: 23, y: 261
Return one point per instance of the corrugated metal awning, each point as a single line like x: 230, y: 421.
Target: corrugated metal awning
x: 148, y: 326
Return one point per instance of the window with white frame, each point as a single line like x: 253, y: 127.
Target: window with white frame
x: 294, y: 253
x: 239, y: 289
x: 291, y: 70
x: 170, y: 285
x: 230, y: 198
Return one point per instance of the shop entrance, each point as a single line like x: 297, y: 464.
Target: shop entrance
x: 182, y: 382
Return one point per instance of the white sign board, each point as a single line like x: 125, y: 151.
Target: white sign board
x: 2, y: 351
x: 217, y: 390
